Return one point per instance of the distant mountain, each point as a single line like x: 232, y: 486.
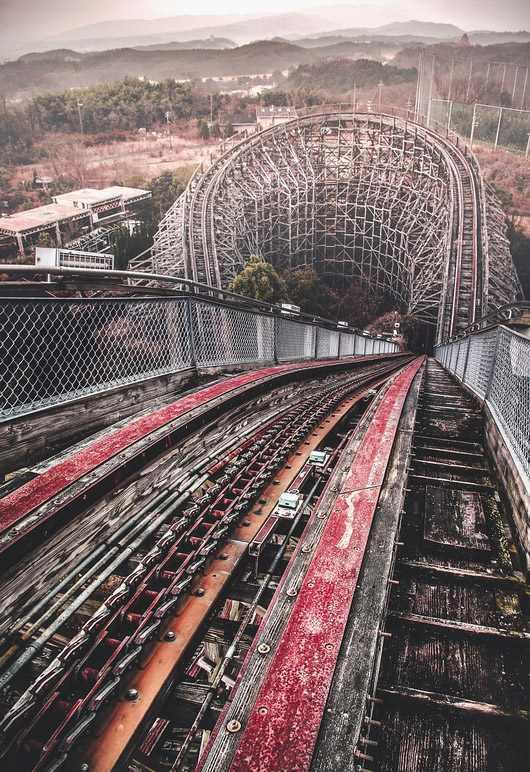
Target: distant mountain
x: 484, y: 38
x: 420, y: 29
x: 64, y: 69
x: 217, y: 44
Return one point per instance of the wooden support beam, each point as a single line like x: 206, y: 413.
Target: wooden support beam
x: 458, y: 627
x: 455, y: 704
x: 461, y: 574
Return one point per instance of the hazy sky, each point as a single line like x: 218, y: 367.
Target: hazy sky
x: 25, y: 18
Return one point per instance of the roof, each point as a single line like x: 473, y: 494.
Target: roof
x: 66, y: 207
x: 41, y: 217
x: 275, y: 112
x: 237, y: 118
x: 91, y: 196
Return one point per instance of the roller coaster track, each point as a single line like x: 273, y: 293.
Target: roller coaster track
x: 449, y: 279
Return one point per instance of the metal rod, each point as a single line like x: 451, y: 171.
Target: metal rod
x: 241, y: 629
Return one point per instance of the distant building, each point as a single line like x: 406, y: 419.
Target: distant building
x: 273, y: 116
x: 82, y: 210
x: 239, y: 121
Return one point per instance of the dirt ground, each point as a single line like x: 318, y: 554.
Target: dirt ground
x: 148, y: 156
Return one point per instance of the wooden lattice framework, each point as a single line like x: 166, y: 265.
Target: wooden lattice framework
x: 363, y: 196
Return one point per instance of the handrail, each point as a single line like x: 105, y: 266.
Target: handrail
x: 195, y: 288
x: 501, y: 314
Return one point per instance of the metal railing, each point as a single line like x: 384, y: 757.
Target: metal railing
x: 495, y: 364
x: 53, y: 350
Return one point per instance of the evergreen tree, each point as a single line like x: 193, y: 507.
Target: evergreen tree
x: 260, y: 281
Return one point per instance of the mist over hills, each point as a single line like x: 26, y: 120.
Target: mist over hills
x: 47, y: 26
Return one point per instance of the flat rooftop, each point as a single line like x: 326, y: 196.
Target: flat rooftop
x: 67, y: 206
x: 39, y: 217
x: 91, y: 196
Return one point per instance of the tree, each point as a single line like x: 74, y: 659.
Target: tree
x: 307, y: 290
x: 360, y: 305
x: 260, y: 281
x: 520, y: 249
x: 202, y: 129
x: 167, y: 187
x: 228, y: 129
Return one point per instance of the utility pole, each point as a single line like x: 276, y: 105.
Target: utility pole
x: 211, y: 108
x: 168, y: 116
x: 474, y: 124
x: 380, y: 87
x: 79, y: 106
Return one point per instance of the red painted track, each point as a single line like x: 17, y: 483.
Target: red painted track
x: 283, y: 727
x: 36, y: 492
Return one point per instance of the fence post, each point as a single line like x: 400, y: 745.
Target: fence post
x: 490, y: 378
x: 275, y: 322
x: 467, y: 359
x: 338, y: 350
x: 191, y: 332
x: 316, y: 342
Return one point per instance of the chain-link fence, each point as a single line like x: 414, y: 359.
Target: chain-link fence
x: 495, y: 364
x: 497, y: 126
x: 55, y: 350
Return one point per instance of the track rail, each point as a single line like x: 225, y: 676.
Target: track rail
x: 143, y: 575
x: 466, y: 260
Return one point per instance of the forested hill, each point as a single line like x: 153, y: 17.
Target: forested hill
x: 514, y: 53
x: 63, y: 69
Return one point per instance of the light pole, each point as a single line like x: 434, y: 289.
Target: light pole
x: 380, y: 87
x: 79, y: 106
x: 168, y: 116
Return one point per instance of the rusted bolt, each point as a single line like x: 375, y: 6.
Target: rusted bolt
x: 384, y: 634
x: 371, y: 721
x: 288, y: 466
x: 291, y: 592
x: 200, y: 592
x: 84, y: 768
x: 376, y: 700
x: 264, y: 648
x: 307, y: 548
x: 392, y: 581
x: 276, y: 482
x: 131, y: 695
x: 223, y: 556
x: 366, y: 741
x: 170, y: 636
x: 263, y: 711
x: 233, y: 726
x: 321, y: 516
x: 246, y: 523
x: 359, y: 755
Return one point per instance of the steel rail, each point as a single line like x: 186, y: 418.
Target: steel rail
x: 177, y: 764
x: 302, y: 430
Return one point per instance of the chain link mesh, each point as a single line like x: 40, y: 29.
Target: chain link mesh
x: 347, y: 344
x: 54, y: 350
x: 498, y: 367
x: 294, y: 340
x: 225, y: 335
x: 510, y: 391
x: 327, y: 343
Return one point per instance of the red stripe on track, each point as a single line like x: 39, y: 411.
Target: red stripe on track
x: 283, y: 727
x: 36, y: 492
